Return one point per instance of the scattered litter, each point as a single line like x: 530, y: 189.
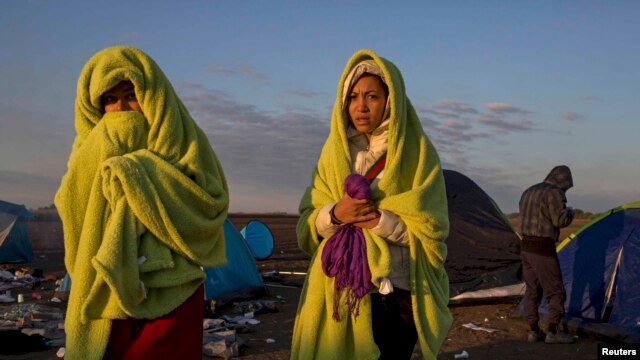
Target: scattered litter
x: 486, y: 320
x: 55, y: 342
x: 60, y: 352
x: 55, y: 300
x: 476, y: 327
x: 8, y: 325
x: 242, y: 320
x: 212, y: 324
x: 18, y: 278
x: 6, y: 297
x: 20, y: 298
x: 5, y: 275
x: 463, y: 355
x: 255, y: 307
x: 36, y: 296
x: 37, y: 273
x: 222, y: 344
x: 270, y: 341
x: 37, y: 324
x: 31, y: 331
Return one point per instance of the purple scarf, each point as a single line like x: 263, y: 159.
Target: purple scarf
x: 345, y: 255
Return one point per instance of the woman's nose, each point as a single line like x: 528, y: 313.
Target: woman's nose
x: 361, y: 105
x: 123, y: 105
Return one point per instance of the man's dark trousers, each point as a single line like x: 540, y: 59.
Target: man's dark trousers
x: 541, y: 274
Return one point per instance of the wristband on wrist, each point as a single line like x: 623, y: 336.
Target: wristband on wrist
x: 334, y: 219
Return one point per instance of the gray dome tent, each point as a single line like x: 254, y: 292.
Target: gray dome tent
x: 484, y: 250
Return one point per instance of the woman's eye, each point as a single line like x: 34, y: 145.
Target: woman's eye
x: 109, y: 99
x: 131, y: 96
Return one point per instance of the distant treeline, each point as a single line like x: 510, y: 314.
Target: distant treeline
x: 577, y: 214
x: 47, y: 213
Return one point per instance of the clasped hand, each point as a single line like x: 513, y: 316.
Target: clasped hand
x: 362, y: 213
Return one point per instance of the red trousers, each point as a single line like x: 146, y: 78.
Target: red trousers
x: 177, y: 335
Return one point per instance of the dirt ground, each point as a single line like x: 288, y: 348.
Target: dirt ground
x: 507, y: 342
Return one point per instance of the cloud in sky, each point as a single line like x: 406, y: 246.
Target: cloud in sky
x: 454, y: 121
x: 239, y: 70
x: 502, y: 108
x: 588, y: 97
x: 304, y: 93
x: 455, y: 107
x: 261, y: 150
x: 493, y: 104
x: 572, y: 116
x: 503, y: 125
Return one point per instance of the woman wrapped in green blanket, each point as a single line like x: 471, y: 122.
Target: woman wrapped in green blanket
x: 374, y: 130
x: 143, y: 204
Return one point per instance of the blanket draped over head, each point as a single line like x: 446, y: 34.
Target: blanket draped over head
x: 142, y: 203
x: 412, y: 187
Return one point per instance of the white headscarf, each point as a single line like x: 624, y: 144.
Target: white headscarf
x: 364, y: 67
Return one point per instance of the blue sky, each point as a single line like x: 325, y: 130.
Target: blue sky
x: 505, y: 90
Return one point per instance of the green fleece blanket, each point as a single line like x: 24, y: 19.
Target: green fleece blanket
x: 412, y: 187
x: 142, y: 203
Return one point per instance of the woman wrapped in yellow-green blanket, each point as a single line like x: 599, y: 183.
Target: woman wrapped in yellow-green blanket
x: 142, y: 204
x: 404, y: 225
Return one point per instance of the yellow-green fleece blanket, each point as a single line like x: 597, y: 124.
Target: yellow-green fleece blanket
x: 412, y: 187
x: 142, y: 203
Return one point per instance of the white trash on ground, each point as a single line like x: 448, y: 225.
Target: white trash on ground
x: 473, y: 326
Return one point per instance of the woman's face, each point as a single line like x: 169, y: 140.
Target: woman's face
x: 121, y: 97
x: 367, y: 100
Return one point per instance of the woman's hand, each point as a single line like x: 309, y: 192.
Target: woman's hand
x: 350, y: 210
x: 369, y: 224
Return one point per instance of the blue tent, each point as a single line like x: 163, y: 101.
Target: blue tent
x: 599, y: 265
x: 259, y: 238
x: 239, y: 273
x: 15, y: 246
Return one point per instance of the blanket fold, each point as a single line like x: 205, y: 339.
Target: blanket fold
x: 142, y: 203
x: 412, y: 188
